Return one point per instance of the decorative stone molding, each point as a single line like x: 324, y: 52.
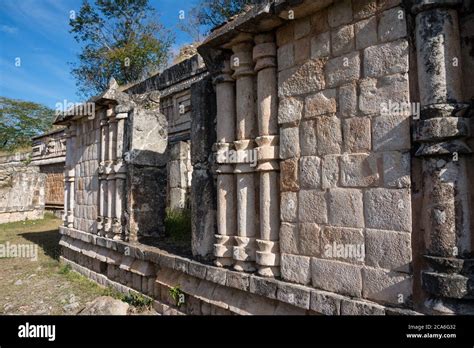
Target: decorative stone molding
x: 441, y: 133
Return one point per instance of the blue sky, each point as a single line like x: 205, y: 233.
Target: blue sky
x: 37, y: 32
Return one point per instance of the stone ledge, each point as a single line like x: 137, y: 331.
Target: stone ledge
x: 304, y: 297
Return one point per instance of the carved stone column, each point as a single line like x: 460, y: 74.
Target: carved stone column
x: 120, y: 174
x: 242, y: 63
x: 268, y: 254
x: 441, y: 133
x: 104, y: 143
x: 70, y: 174
x: 226, y: 196
x: 110, y: 173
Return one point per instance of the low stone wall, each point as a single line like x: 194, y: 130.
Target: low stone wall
x: 207, y: 290
x: 22, y: 192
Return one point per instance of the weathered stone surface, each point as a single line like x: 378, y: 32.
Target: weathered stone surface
x: 388, y: 249
x: 307, y: 78
x: 312, y: 206
x: 321, y: 103
x: 320, y: 45
x: 392, y: 25
x: 348, y: 100
x: 396, y: 169
x: 388, y: 209
x: 302, y: 28
x: 295, y: 268
x: 330, y: 171
x: 343, y: 69
x: 308, y: 239
x: 308, y: 138
x: 329, y: 135
x: 366, y: 33
x: 342, y: 40
x: 295, y: 295
x: 376, y: 93
x: 289, y: 175
x: 310, y: 172
x: 391, y: 133
x: 285, y: 34
x: 238, y: 280
x: 335, y: 276
x: 319, y: 22
x: 286, y: 56
x: 290, y: 111
x: 216, y: 275
x: 340, y: 13
x: 345, y: 207
x: 302, y: 50
x: 343, y: 244
x: 386, y: 59
x: 289, y: 206
x: 263, y: 287
x: 364, y: 8
x: 289, y: 238
x: 387, y: 287
x: 105, y: 305
x: 360, y: 170
x: 357, y: 134
x: 325, y: 303
x: 349, y: 307
x: 289, y: 143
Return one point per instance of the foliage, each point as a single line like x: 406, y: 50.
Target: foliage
x: 20, y: 121
x: 121, y: 39
x: 178, y: 224
x: 177, y: 295
x: 136, y: 300
x: 212, y: 13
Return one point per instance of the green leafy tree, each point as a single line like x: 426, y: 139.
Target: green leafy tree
x: 121, y: 39
x: 20, y: 121
x: 212, y: 13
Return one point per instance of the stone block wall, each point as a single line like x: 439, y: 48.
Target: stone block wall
x: 345, y: 170
x: 86, y: 179
x: 22, y: 192
x: 179, y: 175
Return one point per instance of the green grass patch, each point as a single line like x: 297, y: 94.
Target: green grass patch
x: 178, y: 225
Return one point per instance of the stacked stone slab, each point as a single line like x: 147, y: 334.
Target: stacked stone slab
x: 22, y: 192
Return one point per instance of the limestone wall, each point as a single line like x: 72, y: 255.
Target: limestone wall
x: 22, y: 192
x: 345, y: 170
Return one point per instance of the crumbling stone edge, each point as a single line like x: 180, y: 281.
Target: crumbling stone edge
x: 302, y: 297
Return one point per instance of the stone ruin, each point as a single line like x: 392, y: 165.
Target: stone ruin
x: 325, y: 152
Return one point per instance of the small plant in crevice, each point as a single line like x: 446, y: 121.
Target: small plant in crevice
x: 177, y: 295
x: 137, y: 300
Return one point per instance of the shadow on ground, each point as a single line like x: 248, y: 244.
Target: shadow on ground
x: 47, y: 240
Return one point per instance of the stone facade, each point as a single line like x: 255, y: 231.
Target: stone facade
x: 49, y: 153
x: 22, y: 192
x: 330, y: 155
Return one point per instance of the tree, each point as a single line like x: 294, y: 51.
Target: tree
x: 20, y: 121
x: 120, y: 39
x: 212, y: 13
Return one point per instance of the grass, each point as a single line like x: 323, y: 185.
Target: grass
x: 46, y: 286
x: 178, y: 225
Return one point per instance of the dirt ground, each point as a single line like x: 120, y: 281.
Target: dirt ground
x: 41, y: 285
